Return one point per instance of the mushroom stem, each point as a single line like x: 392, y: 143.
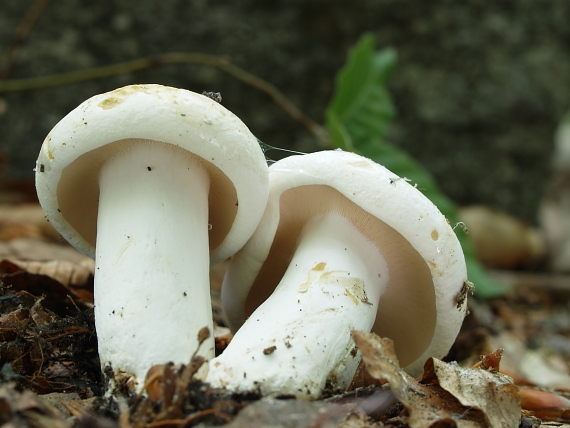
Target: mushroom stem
x: 152, y: 259
x: 289, y: 343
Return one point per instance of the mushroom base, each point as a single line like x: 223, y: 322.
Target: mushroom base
x: 300, y: 336
x: 152, y: 259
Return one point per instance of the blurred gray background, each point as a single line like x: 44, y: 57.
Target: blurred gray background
x: 479, y: 87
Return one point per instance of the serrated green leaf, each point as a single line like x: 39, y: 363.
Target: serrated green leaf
x: 362, y: 105
x: 357, y: 120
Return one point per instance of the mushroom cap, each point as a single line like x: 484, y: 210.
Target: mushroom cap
x: 73, y: 153
x: 423, y: 306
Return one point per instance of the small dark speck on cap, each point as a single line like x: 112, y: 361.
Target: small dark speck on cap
x: 269, y: 350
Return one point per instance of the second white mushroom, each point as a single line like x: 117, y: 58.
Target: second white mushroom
x: 344, y: 245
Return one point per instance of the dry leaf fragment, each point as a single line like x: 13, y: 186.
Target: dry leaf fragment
x: 545, y: 368
x: 540, y: 366
x: 27, y: 409
x: 56, y: 293
x: 545, y: 405
x: 490, y: 361
x: 502, y: 241
x: 13, y: 229
x: 160, y: 383
x: 426, y: 404
x: 68, y: 273
x: 492, y: 392
x: 31, y: 215
x: 41, y: 316
x: 34, y: 249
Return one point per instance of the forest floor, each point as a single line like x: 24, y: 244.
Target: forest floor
x: 50, y: 374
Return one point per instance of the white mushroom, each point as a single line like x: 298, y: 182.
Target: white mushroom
x: 344, y: 244
x: 154, y: 183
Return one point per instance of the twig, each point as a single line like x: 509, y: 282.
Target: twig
x: 221, y: 63
x: 20, y: 36
x: 67, y: 331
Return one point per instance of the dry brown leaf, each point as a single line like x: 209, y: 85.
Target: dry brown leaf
x: 492, y: 392
x: 28, y: 409
x: 13, y: 229
x: 491, y: 361
x: 545, y: 405
x: 41, y: 316
x: 542, y: 366
x: 426, y: 404
x: 36, y: 249
x: 447, y: 395
x: 68, y: 273
x: 71, y: 403
x: 502, y: 241
x: 20, y: 279
x: 27, y: 217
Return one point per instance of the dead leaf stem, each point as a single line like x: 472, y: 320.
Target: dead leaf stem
x: 20, y: 35
x: 219, y: 62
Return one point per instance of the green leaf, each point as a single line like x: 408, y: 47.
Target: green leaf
x: 362, y: 107
x: 357, y: 120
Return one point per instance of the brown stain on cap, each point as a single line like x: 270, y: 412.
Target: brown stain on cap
x: 319, y: 266
x: 117, y: 96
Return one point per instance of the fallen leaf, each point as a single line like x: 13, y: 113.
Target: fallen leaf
x: 545, y: 368
x: 531, y: 367
x: 13, y: 229
x: 503, y: 241
x: 545, y: 405
x: 490, y: 391
x: 68, y: 273
x: 29, y: 409
x: 57, y: 295
x: 427, y: 404
x: 30, y: 215
x: 36, y: 249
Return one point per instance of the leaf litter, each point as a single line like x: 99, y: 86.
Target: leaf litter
x: 50, y: 374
